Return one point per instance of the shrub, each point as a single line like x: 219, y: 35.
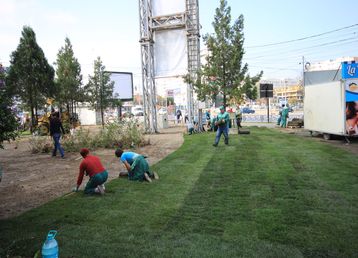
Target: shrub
x: 125, y: 133
x: 80, y: 139
x: 40, y: 144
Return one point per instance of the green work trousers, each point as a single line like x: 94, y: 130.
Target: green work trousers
x: 95, y: 181
x: 138, y: 168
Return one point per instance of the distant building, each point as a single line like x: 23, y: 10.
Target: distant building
x: 286, y: 91
x: 292, y: 95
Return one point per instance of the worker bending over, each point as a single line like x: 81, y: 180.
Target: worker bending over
x: 92, y: 166
x: 136, y: 165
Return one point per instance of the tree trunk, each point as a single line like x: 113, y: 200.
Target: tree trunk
x: 102, y: 116
x: 32, y: 119
x: 224, y: 84
x: 36, y: 115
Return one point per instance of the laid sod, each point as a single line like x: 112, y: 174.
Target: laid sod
x: 268, y: 194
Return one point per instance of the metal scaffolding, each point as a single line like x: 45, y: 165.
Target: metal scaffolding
x: 189, y: 20
x: 147, y: 53
x: 193, y: 46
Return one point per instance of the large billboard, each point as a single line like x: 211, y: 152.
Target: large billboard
x: 123, y: 85
x: 350, y: 76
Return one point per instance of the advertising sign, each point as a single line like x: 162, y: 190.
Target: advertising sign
x: 123, y: 85
x: 266, y: 90
x: 350, y: 74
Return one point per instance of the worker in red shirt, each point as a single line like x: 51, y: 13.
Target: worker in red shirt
x: 92, y: 166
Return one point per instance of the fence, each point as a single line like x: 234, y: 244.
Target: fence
x: 263, y: 118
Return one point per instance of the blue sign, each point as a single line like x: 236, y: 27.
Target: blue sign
x: 349, y: 70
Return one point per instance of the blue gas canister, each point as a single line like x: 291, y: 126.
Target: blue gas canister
x: 50, y: 247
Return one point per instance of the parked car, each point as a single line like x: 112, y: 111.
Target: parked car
x: 247, y: 110
x: 137, y: 111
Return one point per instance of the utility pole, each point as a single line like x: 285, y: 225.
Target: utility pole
x: 303, y: 71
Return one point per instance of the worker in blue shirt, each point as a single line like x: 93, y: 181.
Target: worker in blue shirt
x: 136, y: 165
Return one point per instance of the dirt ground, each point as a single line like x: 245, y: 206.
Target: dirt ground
x: 30, y: 180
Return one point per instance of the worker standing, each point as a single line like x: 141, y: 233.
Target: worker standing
x: 284, y: 116
x: 222, y: 122
x: 55, y: 131
x: 238, y: 116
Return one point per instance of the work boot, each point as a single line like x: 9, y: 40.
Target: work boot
x: 147, y: 177
x: 227, y: 141
x: 215, y: 145
x: 155, y: 175
x: 100, y: 190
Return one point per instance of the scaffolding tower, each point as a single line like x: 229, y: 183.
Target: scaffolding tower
x: 189, y: 20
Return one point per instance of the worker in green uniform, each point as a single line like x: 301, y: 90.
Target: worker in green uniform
x: 284, y: 116
x: 238, y: 116
x: 222, y: 122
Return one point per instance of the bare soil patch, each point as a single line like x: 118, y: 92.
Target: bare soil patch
x: 30, y: 180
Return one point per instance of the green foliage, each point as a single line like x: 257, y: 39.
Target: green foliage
x: 40, y: 144
x: 69, y: 78
x: 30, y: 76
x: 8, y: 123
x: 224, y: 72
x: 80, y: 139
x: 125, y: 133
x: 265, y: 195
x: 99, y: 88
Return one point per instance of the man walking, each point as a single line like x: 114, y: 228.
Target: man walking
x: 222, y: 122
x: 55, y: 131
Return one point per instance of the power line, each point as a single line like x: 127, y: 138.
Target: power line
x: 351, y: 40
x: 306, y: 43
x: 300, y: 39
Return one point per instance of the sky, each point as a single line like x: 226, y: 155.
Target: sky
x: 110, y: 29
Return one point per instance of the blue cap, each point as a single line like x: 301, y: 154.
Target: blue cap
x: 51, y: 234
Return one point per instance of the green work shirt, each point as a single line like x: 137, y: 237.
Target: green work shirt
x: 238, y: 114
x: 224, y: 116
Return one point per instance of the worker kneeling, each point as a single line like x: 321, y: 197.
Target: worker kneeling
x: 136, y: 165
x: 95, y: 170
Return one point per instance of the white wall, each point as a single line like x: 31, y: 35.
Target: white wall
x: 86, y: 116
x: 324, y: 108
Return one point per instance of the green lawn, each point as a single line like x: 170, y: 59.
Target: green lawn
x: 268, y: 194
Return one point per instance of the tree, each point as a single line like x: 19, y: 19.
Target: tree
x: 30, y: 75
x: 8, y: 123
x: 69, y: 78
x: 224, y: 72
x: 100, y: 89
x: 247, y: 90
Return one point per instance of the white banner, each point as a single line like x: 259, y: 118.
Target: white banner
x: 170, y: 53
x: 165, y: 7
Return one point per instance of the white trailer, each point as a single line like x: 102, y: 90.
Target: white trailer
x: 331, y: 101
x: 324, y: 108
